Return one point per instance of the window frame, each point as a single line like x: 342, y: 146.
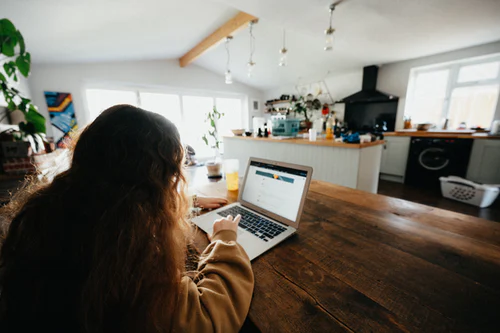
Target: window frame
x: 452, y: 82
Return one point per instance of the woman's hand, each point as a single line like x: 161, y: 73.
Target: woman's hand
x: 229, y: 223
x: 211, y: 203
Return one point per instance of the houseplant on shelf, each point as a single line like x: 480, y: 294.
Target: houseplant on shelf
x: 303, y: 105
x: 17, y: 61
x: 211, y: 139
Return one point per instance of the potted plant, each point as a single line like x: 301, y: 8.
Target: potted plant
x: 211, y: 139
x: 303, y: 105
x: 17, y: 61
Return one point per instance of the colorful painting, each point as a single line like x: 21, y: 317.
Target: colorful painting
x: 62, y: 117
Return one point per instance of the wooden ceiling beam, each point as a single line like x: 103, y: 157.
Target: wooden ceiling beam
x: 229, y: 28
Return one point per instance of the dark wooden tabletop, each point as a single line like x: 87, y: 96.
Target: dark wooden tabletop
x: 363, y: 262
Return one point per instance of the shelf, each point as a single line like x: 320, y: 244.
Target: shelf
x: 280, y: 102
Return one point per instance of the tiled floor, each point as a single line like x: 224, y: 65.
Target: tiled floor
x: 435, y: 199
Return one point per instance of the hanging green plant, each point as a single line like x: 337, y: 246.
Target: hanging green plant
x: 16, y: 60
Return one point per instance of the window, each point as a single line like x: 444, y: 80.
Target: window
x: 187, y: 112
x: 429, y: 96
x: 166, y: 105
x: 99, y: 100
x: 233, y: 117
x: 463, y: 92
x: 194, y: 126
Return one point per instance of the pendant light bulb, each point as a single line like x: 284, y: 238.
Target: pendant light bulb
x: 250, y: 68
x: 283, y: 58
x: 329, y: 39
x: 283, y: 52
x: 251, y: 64
x: 329, y: 32
x: 228, y: 77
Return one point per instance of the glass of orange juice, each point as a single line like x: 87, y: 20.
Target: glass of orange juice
x: 231, y: 168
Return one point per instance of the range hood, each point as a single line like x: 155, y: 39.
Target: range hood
x: 369, y: 92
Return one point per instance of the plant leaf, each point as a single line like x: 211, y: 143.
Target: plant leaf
x: 6, y: 27
x: 22, y: 106
x: 11, y: 106
x: 8, y: 47
x: 36, y: 119
x: 33, y: 108
x: 10, y: 68
x: 23, y: 64
x: 204, y: 137
x: 22, y: 45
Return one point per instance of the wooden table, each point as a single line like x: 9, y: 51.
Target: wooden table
x: 363, y: 262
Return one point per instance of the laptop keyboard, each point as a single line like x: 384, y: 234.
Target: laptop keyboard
x: 254, y: 224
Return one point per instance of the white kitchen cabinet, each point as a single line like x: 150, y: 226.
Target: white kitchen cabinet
x: 342, y: 165
x: 484, y: 163
x: 394, y: 157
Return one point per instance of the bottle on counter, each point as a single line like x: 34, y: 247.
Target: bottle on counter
x: 330, y: 123
x: 407, y: 123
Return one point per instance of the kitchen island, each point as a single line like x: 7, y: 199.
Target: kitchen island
x: 351, y: 165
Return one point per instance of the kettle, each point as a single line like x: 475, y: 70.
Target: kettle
x: 495, y: 128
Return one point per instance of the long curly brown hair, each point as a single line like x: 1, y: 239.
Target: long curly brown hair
x: 102, y: 248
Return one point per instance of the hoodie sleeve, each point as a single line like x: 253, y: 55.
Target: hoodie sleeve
x: 219, y: 299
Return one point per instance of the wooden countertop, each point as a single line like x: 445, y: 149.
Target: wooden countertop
x: 442, y: 135
x: 302, y: 141
x: 363, y: 262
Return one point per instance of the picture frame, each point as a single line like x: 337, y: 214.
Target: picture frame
x: 255, y: 106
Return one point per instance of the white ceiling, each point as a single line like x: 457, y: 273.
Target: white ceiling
x: 368, y: 32
x: 107, y: 30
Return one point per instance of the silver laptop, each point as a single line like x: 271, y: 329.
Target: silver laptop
x: 270, y: 203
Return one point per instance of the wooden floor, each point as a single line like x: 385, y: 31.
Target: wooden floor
x: 435, y: 199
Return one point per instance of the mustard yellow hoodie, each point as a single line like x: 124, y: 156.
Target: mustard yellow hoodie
x: 219, y: 300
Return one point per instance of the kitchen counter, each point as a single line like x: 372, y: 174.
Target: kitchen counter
x: 318, y: 142
x: 352, y: 165
x: 443, y: 134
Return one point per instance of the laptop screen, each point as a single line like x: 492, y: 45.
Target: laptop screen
x: 277, y: 189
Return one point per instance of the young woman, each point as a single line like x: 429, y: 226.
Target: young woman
x: 103, y: 247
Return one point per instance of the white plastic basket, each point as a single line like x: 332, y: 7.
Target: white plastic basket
x: 464, y: 190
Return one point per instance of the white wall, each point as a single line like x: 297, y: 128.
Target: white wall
x: 394, y: 77
x: 339, y: 85
x: 75, y: 78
